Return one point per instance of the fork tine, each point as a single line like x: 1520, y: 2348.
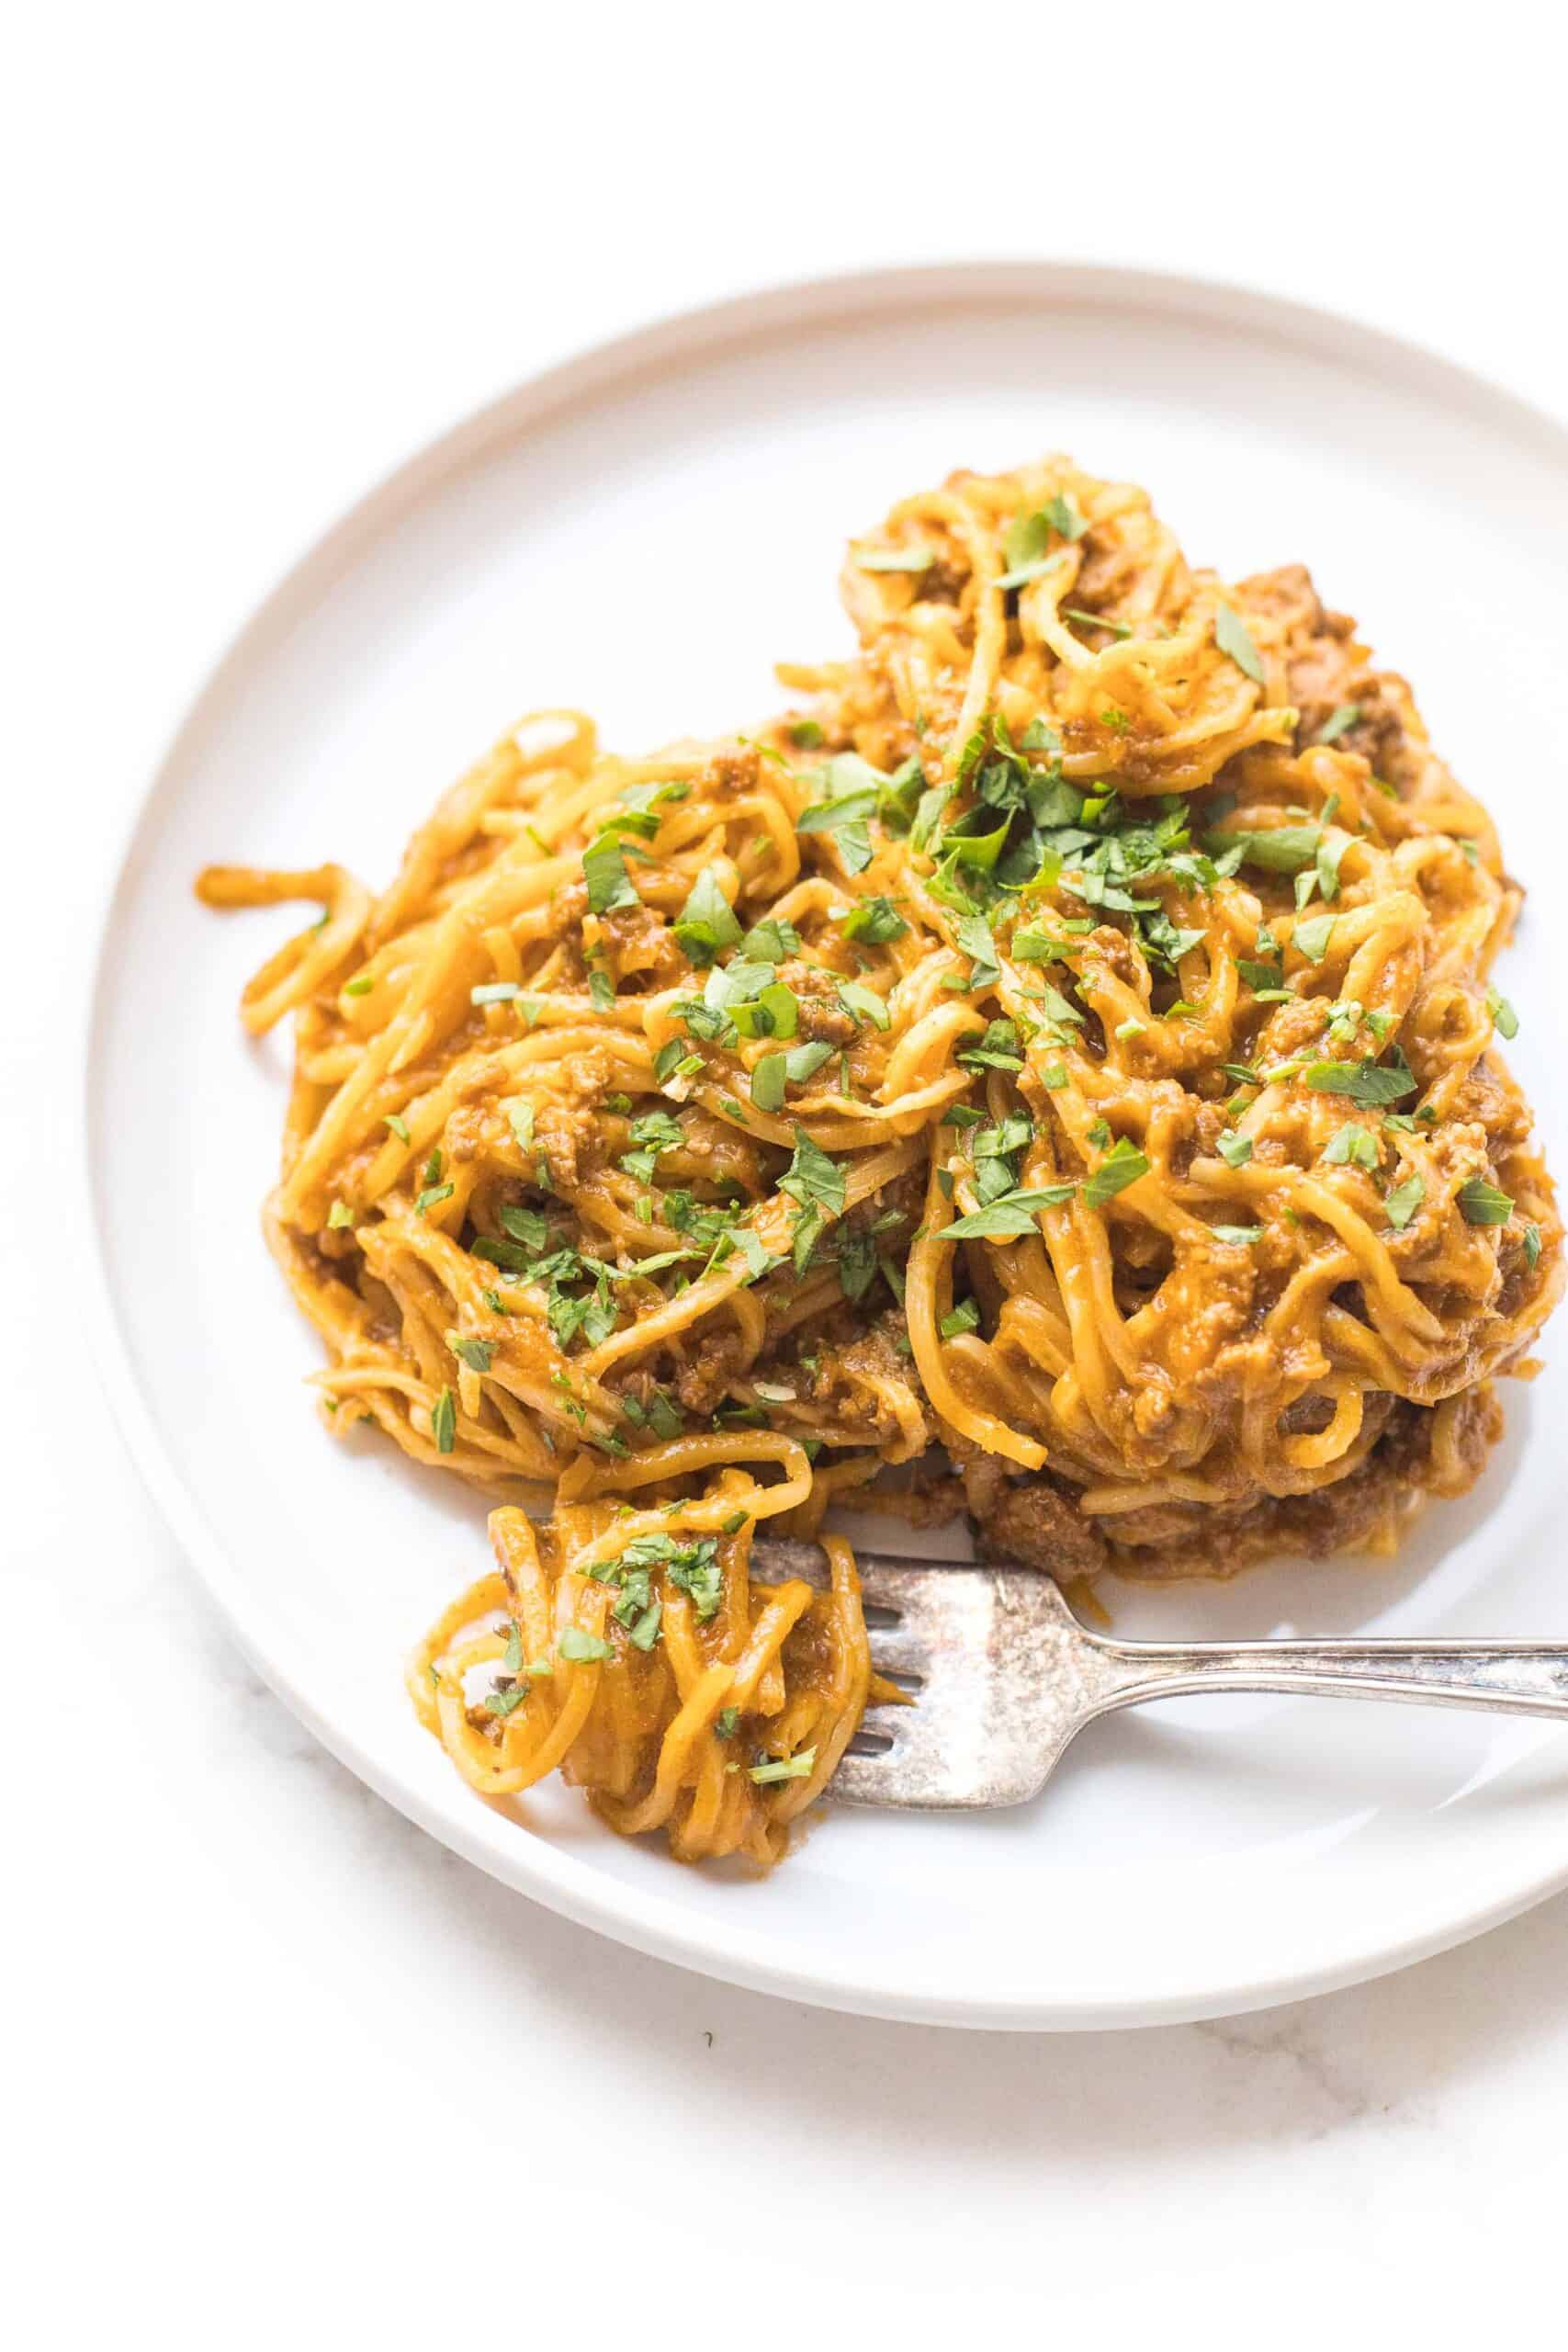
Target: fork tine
x: 1000, y: 1658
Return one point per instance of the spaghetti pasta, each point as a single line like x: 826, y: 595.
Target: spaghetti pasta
x: 1057, y: 1058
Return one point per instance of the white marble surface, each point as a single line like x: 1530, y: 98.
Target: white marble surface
x: 277, y: 2067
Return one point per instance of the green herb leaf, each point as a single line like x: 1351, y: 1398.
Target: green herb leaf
x: 1328, y: 862
x: 1234, y: 1151
x: 813, y: 1179
x: 768, y: 1082
x: 400, y: 1127
x: 787, y: 1767
x: 1482, y: 1204
x: 893, y: 559
x: 494, y: 992
x: 443, y: 1421
x: 1363, y: 1082
x: 725, y: 1723
x: 583, y: 1649
x: 1502, y: 1015
x: 976, y: 939
x: 865, y: 1004
x: 706, y: 923
x: 604, y: 871
x: 1121, y: 1166
x: 1335, y: 725
x: 1312, y: 938
x: 1119, y: 629
x: 1013, y: 1214
x: 875, y: 921
x: 475, y: 1354
x: 1282, y: 849
x: 1244, y: 1236
x: 1351, y: 1143
x: 529, y: 1227
x: 1403, y: 1201
x: 1231, y: 636
x: 966, y: 1317
x: 770, y: 941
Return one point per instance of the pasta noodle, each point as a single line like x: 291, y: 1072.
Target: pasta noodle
x: 1053, y: 1068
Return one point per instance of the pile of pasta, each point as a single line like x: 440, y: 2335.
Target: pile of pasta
x: 1050, y: 1073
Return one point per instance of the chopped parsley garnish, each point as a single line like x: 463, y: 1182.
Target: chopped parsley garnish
x: 529, y: 1227
x: 583, y: 1649
x: 1403, y: 1201
x: 1336, y: 724
x: 726, y: 1723
x: 975, y: 940
x: 1121, y: 1166
x: 850, y: 793
x: 1234, y: 1151
x: 443, y: 1421
x: 1312, y: 938
x: 1028, y: 543
x: 1351, y: 1143
x: 812, y: 1178
x: 1502, y: 1015
x: 1482, y: 1204
x: 966, y: 1317
x: 1329, y: 854
x: 604, y: 871
x: 894, y: 558
x: 693, y: 1568
x: 787, y: 1767
x: 475, y: 1354
x: 432, y: 1197
x: 1119, y: 629
x: 770, y: 941
x: 1363, y: 1082
x: 997, y: 1048
x: 876, y: 920
x: 1007, y: 1218
x: 864, y: 1004
x: 654, y: 1132
x: 806, y: 734
x: 1231, y: 636
x: 1282, y: 849
x: 706, y: 923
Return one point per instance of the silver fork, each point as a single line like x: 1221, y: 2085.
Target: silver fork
x: 1004, y: 1676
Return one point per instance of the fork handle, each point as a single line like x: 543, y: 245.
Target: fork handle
x: 1512, y: 1677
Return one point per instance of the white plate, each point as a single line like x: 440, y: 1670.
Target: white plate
x: 643, y: 532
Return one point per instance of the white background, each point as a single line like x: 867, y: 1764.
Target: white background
x: 276, y: 2068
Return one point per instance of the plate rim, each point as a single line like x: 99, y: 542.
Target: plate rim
x: 529, y: 1862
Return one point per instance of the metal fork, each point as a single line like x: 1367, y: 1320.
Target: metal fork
x: 1004, y: 1676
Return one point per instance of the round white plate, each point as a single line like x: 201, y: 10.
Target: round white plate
x: 642, y: 533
